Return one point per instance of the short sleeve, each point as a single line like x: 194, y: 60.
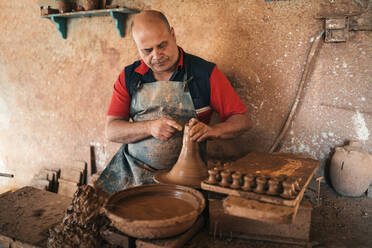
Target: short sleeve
x: 224, y: 99
x: 120, y: 100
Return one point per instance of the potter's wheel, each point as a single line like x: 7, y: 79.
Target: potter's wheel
x: 166, y: 178
x: 154, y: 211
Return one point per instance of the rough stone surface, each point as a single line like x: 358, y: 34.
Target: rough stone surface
x: 27, y: 214
x: 54, y: 93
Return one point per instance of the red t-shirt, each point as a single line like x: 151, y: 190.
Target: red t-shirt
x: 214, y: 90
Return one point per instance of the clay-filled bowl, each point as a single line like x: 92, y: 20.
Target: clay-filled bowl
x: 154, y: 211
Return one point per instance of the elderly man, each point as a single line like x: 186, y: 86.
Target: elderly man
x: 155, y: 97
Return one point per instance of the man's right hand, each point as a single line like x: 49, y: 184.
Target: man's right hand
x: 164, y: 128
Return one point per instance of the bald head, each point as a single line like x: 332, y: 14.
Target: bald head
x: 156, y: 42
x: 149, y: 17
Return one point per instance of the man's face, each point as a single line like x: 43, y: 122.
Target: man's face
x: 156, y: 46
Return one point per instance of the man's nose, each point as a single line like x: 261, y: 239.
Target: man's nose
x: 157, y: 53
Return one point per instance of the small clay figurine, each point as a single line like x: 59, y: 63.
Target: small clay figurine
x: 237, y: 178
x: 297, y: 184
x: 273, y: 187
x: 288, y: 189
x: 249, y: 182
x: 261, y: 184
x: 225, y: 178
x: 218, y: 175
x: 212, y: 176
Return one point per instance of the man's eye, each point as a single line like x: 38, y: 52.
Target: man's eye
x: 162, y: 45
x: 147, y: 50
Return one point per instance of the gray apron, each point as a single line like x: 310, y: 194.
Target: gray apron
x: 135, y: 163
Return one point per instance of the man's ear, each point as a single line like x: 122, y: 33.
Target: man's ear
x: 173, y: 33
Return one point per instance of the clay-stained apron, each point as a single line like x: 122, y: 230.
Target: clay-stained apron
x: 170, y: 99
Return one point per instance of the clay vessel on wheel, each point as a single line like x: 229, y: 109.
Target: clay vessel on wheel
x: 189, y: 169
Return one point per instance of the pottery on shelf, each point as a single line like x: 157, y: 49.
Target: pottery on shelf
x: 64, y: 6
x: 90, y: 4
x: 351, y: 170
x: 189, y: 169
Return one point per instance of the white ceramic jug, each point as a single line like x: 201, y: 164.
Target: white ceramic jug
x: 351, y: 170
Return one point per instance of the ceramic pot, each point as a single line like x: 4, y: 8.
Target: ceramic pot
x: 351, y: 170
x: 64, y: 6
x: 90, y: 4
x: 189, y: 169
x: 139, y: 219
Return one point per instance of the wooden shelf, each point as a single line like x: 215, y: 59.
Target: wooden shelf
x: 118, y: 14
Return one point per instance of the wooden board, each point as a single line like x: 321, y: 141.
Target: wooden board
x: 272, y: 165
x: 225, y: 225
x: 260, y: 211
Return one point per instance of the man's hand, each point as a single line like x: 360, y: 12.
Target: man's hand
x: 200, y: 131
x: 164, y: 128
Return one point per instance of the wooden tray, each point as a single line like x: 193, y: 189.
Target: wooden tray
x: 272, y: 165
x: 259, y: 211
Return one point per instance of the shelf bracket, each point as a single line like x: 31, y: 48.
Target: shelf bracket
x: 119, y: 22
x: 61, y: 25
x: 119, y: 15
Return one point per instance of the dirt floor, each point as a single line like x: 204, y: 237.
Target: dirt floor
x: 337, y: 222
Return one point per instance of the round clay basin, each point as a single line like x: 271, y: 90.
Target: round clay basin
x: 154, y: 211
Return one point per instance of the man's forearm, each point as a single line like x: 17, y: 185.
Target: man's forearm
x: 122, y: 131
x: 233, y: 126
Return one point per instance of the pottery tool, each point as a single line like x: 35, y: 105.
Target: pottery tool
x: 6, y: 175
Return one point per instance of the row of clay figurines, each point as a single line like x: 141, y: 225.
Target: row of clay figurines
x: 281, y: 185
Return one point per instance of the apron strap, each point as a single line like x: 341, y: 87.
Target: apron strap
x: 139, y: 85
x: 187, y: 77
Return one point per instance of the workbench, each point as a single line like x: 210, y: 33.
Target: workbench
x: 26, y: 215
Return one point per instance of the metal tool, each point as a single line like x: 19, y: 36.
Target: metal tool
x: 6, y: 175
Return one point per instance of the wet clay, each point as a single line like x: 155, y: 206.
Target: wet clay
x: 190, y: 169
x: 154, y: 211
x: 152, y: 207
x: 82, y: 222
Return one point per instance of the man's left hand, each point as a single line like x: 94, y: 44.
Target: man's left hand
x: 200, y: 131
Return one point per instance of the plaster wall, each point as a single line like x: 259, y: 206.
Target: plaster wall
x: 54, y: 92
